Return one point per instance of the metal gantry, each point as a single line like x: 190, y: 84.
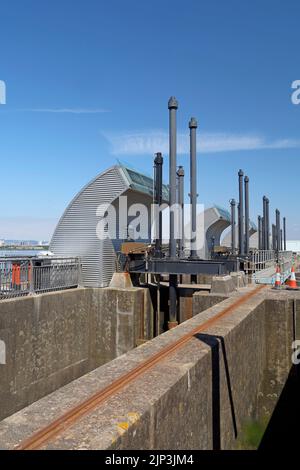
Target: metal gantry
x: 173, y: 262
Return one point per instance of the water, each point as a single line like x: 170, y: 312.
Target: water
x: 19, y: 253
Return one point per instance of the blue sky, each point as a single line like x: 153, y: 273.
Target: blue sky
x: 88, y: 82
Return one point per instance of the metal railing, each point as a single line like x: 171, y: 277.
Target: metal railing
x: 259, y: 260
x: 23, y: 276
x: 261, y: 265
x: 285, y: 262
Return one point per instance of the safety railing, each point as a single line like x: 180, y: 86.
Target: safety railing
x: 285, y: 262
x: 259, y: 260
x: 261, y: 265
x: 23, y: 276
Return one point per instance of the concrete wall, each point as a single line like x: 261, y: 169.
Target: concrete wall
x: 204, y: 300
x: 198, y: 397
x: 282, y: 325
x: 51, y: 339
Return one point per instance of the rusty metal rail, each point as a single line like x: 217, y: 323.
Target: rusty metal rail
x: 49, y: 432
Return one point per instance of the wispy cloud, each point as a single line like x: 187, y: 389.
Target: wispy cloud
x: 67, y: 110
x: 140, y: 143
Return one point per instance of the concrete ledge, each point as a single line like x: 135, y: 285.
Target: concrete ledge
x: 204, y: 300
x: 222, y: 285
x: 121, y: 280
x: 239, y: 279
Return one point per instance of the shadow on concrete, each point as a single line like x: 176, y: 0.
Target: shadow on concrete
x: 214, y: 342
x: 283, y: 429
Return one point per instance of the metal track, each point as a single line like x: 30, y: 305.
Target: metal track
x: 69, y: 418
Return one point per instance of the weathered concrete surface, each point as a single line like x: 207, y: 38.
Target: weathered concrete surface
x: 239, y: 279
x: 282, y: 325
x: 121, y: 280
x: 51, y: 339
x: 222, y: 285
x: 196, y: 398
x: 186, y: 299
x: 204, y: 300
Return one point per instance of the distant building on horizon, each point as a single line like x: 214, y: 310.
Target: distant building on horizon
x: 20, y: 242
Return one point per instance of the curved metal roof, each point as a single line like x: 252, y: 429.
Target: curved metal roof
x: 75, y: 233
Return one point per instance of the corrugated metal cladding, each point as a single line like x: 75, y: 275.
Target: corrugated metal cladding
x: 75, y: 234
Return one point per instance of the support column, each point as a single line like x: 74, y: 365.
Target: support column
x: 173, y: 106
x: 180, y: 175
x: 277, y: 230
x: 246, y: 180
x: 264, y: 228
x: 284, y: 233
x: 233, y: 226
x: 259, y: 234
x: 241, y: 215
x: 274, y: 237
x: 267, y: 224
x: 158, y: 165
x: 193, y: 183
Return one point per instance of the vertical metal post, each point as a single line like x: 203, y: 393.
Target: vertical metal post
x: 241, y: 215
x: 158, y: 162
x: 233, y: 225
x: 264, y: 228
x: 193, y: 184
x: 246, y: 181
x: 239, y: 227
x: 158, y: 307
x: 31, y: 277
x: 173, y: 106
x: 284, y: 233
x: 259, y: 224
x: 180, y: 174
x: 273, y: 238
x: 277, y: 230
x: 267, y: 224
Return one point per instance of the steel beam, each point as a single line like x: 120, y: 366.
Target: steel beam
x: 179, y: 266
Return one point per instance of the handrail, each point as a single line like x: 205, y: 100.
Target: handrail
x: 21, y: 276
